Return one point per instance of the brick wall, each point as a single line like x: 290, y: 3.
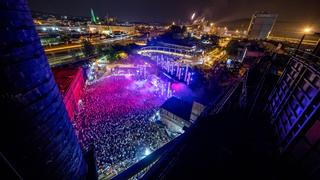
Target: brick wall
x: 39, y: 141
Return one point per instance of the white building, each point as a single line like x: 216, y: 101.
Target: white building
x: 261, y: 25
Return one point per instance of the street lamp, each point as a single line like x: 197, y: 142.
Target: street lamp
x: 306, y: 31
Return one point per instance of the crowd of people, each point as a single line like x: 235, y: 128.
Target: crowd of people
x: 114, y: 116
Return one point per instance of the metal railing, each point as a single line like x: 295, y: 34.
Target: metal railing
x: 167, y: 50
x: 307, y: 57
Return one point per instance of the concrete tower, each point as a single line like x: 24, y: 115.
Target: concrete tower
x: 37, y: 138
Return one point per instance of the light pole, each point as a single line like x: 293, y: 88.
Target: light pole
x: 316, y: 50
x: 305, y: 32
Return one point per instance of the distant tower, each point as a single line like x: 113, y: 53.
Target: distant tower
x: 93, y: 17
x: 39, y: 142
x: 261, y: 25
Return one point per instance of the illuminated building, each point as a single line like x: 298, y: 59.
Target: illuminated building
x: 261, y: 25
x: 103, y: 29
x: 71, y: 83
x: 125, y: 29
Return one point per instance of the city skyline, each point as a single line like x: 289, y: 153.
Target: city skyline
x: 167, y: 11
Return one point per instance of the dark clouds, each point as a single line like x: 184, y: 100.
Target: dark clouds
x: 174, y: 10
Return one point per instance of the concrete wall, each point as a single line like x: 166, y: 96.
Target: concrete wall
x: 173, y: 122
x: 197, y: 109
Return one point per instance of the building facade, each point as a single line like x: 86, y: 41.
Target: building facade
x: 103, y: 29
x: 197, y: 109
x: 294, y: 106
x: 71, y: 84
x: 177, y: 114
x: 261, y: 25
x: 173, y: 122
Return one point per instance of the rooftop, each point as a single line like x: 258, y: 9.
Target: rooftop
x: 178, y: 107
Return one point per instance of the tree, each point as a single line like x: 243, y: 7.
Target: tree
x: 232, y: 48
x: 110, y: 50
x: 183, y: 29
x: 101, y: 51
x: 121, y: 55
x: 88, y: 48
x: 65, y: 38
x: 175, y: 29
x: 214, y: 39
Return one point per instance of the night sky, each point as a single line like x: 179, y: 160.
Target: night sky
x: 174, y: 10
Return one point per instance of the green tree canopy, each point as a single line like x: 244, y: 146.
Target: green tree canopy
x: 88, y: 48
x: 232, y: 48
